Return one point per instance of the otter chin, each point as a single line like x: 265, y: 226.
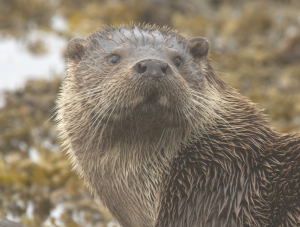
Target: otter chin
x: 163, y: 141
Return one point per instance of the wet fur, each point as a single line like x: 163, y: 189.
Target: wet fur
x: 207, y: 157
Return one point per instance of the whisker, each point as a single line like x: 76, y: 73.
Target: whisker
x: 186, y: 112
x: 88, y: 95
x: 50, y: 118
x: 196, y: 92
x: 85, y: 94
x: 96, y: 128
x: 210, y: 121
x: 103, y: 128
x: 212, y: 112
x: 98, y: 104
x: 200, y: 123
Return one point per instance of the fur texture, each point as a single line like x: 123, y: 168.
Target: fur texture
x: 187, y: 150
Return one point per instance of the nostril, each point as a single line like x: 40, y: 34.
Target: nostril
x: 141, y: 68
x: 164, y: 68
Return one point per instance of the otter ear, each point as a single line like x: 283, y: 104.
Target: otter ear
x: 76, y: 49
x: 199, y: 47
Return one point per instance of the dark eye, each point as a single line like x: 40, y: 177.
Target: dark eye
x: 114, y: 59
x: 177, y: 61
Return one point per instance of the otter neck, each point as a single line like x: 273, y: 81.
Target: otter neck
x: 134, y: 172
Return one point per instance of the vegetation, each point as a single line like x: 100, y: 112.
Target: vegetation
x: 255, y: 46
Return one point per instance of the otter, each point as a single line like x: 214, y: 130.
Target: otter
x: 163, y: 141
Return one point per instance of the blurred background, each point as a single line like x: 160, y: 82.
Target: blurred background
x: 255, y: 46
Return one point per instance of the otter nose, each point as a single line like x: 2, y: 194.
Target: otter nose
x: 153, y: 68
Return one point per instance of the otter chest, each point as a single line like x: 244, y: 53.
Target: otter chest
x: 128, y: 192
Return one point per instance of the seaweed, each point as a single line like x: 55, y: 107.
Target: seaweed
x: 255, y: 46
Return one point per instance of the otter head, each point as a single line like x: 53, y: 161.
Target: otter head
x: 137, y: 82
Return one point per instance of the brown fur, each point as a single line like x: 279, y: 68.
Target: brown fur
x: 187, y: 150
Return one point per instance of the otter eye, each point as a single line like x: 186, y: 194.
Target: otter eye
x: 114, y: 59
x: 177, y: 61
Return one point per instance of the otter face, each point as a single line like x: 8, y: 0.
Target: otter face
x: 143, y: 77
